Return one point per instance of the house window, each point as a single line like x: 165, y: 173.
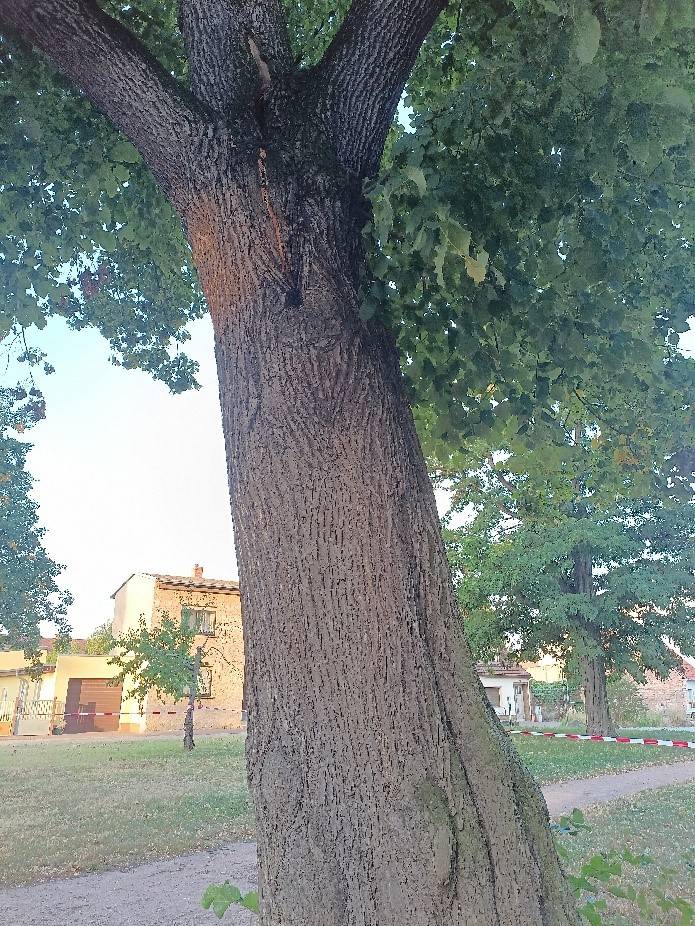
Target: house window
x: 198, y: 619
x: 690, y: 695
x: 205, y: 683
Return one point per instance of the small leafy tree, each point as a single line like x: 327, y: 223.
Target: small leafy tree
x: 627, y: 706
x: 161, y: 659
x: 101, y: 641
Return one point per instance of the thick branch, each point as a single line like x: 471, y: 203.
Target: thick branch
x: 216, y: 33
x: 115, y: 71
x: 364, y: 71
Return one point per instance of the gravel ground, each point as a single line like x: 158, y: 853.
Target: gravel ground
x: 168, y: 893
x: 165, y: 893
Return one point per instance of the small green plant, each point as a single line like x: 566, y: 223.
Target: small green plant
x: 602, y: 885
x: 221, y: 896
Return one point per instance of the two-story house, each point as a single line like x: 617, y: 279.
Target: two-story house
x: 213, y: 607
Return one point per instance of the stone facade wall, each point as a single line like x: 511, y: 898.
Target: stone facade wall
x: 224, y: 655
x: 665, y: 696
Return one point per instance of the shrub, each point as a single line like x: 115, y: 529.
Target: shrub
x: 625, y: 700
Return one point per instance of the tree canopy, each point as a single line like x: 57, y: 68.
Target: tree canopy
x: 29, y: 590
x: 531, y: 220
x: 530, y: 242
x: 159, y: 660
x: 535, y: 227
x: 532, y: 228
x: 579, y: 544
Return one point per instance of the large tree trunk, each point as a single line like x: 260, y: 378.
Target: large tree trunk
x: 589, y: 652
x: 385, y: 790
x: 598, y: 716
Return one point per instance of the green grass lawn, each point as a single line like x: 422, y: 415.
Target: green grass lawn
x: 76, y: 807
x: 557, y: 760
x: 660, y: 824
x: 70, y: 808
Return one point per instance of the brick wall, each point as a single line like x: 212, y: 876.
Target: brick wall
x: 224, y: 654
x: 666, y: 696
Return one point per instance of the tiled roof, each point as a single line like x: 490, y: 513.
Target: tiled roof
x: 189, y: 582
x: 497, y: 670
x: 686, y: 667
x: 77, y: 644
x: 209, y: 585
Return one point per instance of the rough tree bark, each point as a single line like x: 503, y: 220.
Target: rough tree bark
x: 385, y: 790
x: 188, y: 741
x: 590, y: 657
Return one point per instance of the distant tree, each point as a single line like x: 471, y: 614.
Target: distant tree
x: 568, y: 554
x: 62, y: 644
x: 168, y: 659
x: 101, y: 641
x: 29, y: 590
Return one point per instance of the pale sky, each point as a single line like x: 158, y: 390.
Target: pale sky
x: 129, y: 477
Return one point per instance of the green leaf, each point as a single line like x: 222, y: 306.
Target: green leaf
x: 417, y: 176
x: 577, y: 818
x: 440, y: 253
x: 591, y: 914
x: 367, y: 309
x: 652, y: 18
x: 677, y: 97
x: 250, y: 901
x: 476, y: 267
x: 587, y: 36
x: 220, y: 897
x: 383, y: 217
x: 459, y: 237
x: 125, y: 153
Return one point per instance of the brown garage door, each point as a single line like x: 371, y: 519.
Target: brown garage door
x: 92, y: 695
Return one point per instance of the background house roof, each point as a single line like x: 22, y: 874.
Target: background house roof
x: 77, y: 644
x: 497, y: 670
x: 194, y: 582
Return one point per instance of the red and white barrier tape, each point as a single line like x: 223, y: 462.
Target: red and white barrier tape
x: 646, y: 741
x: 138, y: 713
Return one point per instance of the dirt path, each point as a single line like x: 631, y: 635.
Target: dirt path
x: 167, y: 893
x: 583, y: 792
